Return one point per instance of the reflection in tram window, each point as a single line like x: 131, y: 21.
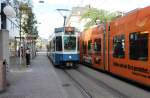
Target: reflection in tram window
x: 90, y: 46
x: 119, y: 46
x: 58, y: 43
x: 69, y: 43
x: 97, y: 46
x: 138, y: 43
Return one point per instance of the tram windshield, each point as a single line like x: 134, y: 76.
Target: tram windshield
x: 69, y: 43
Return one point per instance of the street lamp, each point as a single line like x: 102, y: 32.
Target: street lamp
x: 9, y: 11
x: 6, y: 12
x: 62, y: 14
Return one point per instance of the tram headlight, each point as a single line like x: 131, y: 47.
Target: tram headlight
x: 70, y: 57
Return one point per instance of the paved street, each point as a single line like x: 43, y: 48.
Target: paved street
x: 41, y: 80
x: 38, y: 81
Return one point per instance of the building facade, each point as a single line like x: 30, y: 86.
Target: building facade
x: 74, y: 18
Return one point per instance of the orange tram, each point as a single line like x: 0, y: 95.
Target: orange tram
x: 121, y: 47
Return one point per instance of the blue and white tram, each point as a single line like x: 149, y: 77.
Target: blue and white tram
x: 64, y: 47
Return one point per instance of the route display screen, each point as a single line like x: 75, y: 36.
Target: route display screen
x: 69, y: 30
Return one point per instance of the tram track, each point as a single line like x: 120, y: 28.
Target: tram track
x: 83, y: 90
x: 104, y: 85
x: 87, y: 92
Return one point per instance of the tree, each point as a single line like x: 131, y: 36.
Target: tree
x: 93, y: 14
x: 26, y: 18
x: 29, y: 22
x: 16, y: 7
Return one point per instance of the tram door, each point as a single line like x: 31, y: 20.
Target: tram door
x: 98, y: 55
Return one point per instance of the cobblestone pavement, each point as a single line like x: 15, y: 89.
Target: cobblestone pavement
x: 38, y: 81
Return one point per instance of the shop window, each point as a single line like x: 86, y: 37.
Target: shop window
x: 59, y: 43
x: 97, y: 46
x: 90, y: 46
x: 138, y: 44
x: 119, y: 46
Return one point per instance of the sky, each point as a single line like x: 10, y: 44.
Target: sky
x: 49, y: 18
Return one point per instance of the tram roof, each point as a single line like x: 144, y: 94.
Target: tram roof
x: 60, y: 29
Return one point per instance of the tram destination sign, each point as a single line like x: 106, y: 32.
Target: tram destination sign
x: 69, y: 30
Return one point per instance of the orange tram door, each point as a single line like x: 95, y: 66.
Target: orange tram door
x: 92, y: 47
x: 129, y: 46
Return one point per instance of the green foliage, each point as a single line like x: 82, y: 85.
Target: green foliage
x: 16, y: 7
x: 93, y: 14
x: 26, y: 17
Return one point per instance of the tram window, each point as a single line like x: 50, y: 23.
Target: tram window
x: 97, y: 46
x: 58, y: 43
x: 138, y: 43
x: 89, y: 46
x: 119, y: 46
x: 54, y: 45
x: 69, y: 43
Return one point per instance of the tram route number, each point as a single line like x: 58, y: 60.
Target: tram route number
x: 143, y: 72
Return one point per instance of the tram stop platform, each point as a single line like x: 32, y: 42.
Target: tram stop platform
x: 38, y: 81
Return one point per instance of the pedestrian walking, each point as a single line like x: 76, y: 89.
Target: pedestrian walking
x: 28, y: 57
